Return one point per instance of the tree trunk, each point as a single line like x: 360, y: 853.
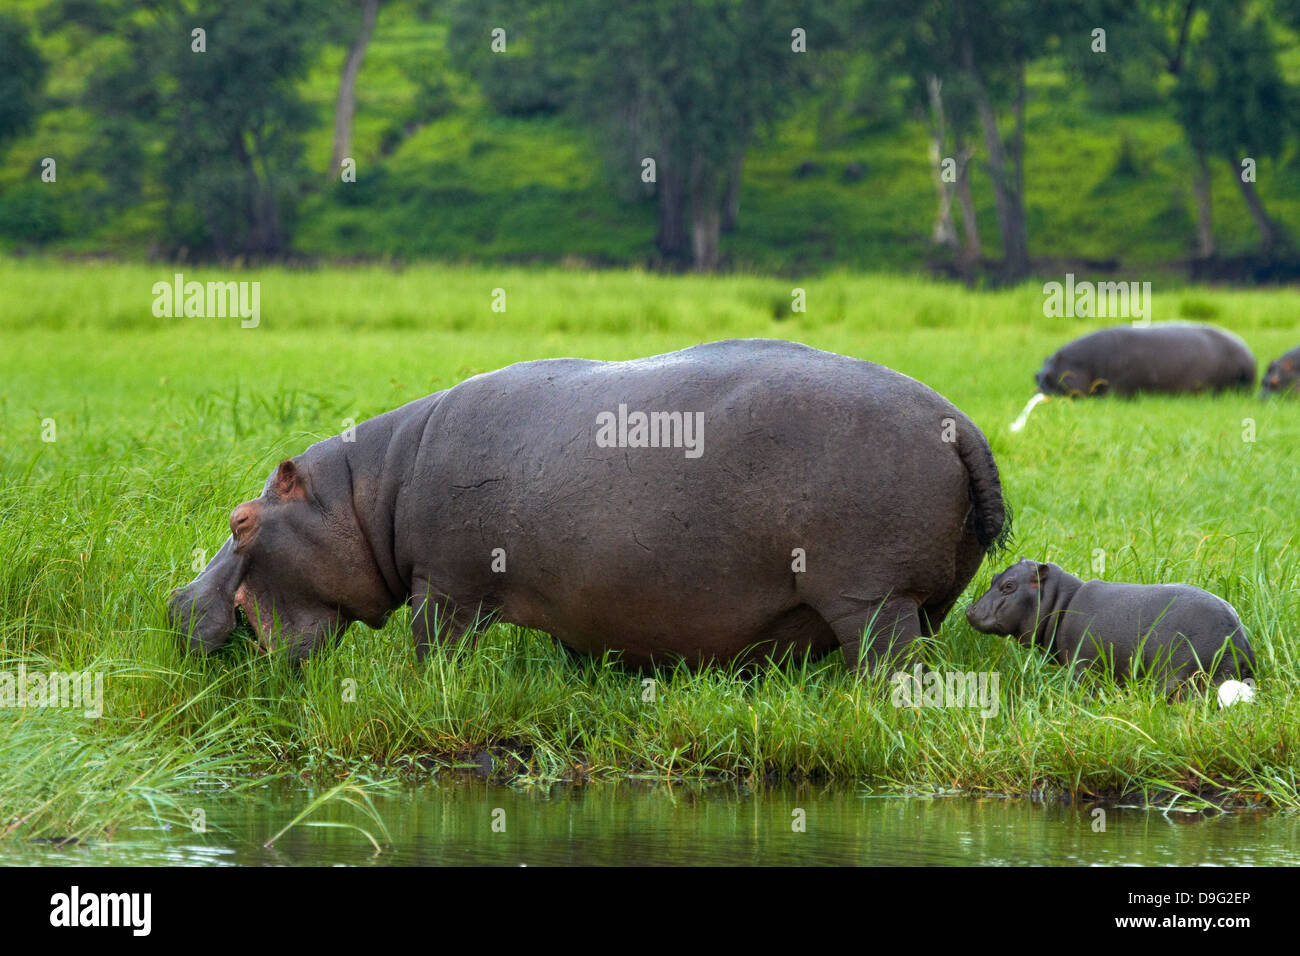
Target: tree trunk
x: 1267, y: 228
x: 671, y: 194
x: 260, y: 216
x: 706, y: 214
x: 970, y: 226
x: 1204, y: 209
x: 347, y: 99
x: 944, y: 232
x: 706, y: 223
x: 1018, y: 148
x: 731, y: 203
x: 271, y: 236
x: 1006, y: 181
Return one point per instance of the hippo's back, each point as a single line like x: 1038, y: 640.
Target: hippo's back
x: 1165, y: 357
x: 719, y: 424
x: 1165, y: 619
x: 780, y: 367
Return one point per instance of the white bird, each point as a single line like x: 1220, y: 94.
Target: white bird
x: 1019, y: 423
x: 1235, y: 691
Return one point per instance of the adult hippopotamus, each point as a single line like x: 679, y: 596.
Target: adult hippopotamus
x: 1165, y: 357
x: 1170, y: 630
x: 728, y: 501
x: 1283, y: 376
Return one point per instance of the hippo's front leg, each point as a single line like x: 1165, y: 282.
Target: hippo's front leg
x: 437, y: 619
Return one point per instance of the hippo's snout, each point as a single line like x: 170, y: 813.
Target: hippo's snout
x: 204, y: 620
x: 975, y: 618
x: 203, y: 611
x: 982, y: 615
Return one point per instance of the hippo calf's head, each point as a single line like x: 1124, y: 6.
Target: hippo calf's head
x: 296, y: 563
x: 1010, y: 606
x: 1282, y: 378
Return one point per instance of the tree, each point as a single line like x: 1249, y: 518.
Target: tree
x: 1228, y: 94
x: 346, y: 104
x: 685, y: 83
x: 1167, y: 27
x: 995, y: 41
x: 982, y: 48
x: 1229, y: 100
x: 922, y: 45
x: 215, y: 114
x: 20, y: 80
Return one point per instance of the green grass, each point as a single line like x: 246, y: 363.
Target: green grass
x: 164, y: 425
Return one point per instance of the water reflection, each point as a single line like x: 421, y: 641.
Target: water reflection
x: 463, y: 820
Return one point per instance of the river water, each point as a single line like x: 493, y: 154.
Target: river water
x: 464, y: 820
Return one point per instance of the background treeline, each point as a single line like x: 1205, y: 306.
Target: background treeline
x: 973, y: 137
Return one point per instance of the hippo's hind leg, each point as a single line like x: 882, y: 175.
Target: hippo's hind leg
x: 932, y: 617
x: 969, y: 557
x: 873, y: 632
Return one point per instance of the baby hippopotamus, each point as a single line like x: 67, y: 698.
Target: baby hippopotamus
x: 1184, y: 628
x: 1283, y: 376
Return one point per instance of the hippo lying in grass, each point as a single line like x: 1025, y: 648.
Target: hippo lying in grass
x: 1165, y: 357
x: 759, y: 496
x: 1175, y: 630
x: 1283, y: 376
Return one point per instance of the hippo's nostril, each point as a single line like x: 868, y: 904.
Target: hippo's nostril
x: 243, y: 520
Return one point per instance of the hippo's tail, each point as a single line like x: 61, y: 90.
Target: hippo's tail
x: 990, y: 515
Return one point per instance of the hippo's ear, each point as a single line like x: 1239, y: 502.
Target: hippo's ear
x: 288, y: 481
x: 1041, y: 573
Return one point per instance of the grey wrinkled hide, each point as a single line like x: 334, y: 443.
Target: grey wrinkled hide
x: 891, y: 493
x: 1165, y: 357
x: 1174, y: 630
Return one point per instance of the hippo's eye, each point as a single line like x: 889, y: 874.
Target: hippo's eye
x: 1007, y: 587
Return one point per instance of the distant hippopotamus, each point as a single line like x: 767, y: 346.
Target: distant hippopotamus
x: 1165, y: 357
x: 1283, y: 375
x: 1178, y: 629
x: 760, y: 496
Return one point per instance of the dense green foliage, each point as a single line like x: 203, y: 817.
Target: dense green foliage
x: 817, y: 159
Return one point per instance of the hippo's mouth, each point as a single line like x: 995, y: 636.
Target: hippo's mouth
x: 247, y: 619
x: 243, y: 626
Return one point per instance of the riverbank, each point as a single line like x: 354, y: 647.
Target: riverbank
x: 127, y: 439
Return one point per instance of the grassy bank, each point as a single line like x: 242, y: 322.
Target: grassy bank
x: 160, y: 426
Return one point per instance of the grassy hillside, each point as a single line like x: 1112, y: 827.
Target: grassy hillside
x: 163, y: 425
x: 442, y: 176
